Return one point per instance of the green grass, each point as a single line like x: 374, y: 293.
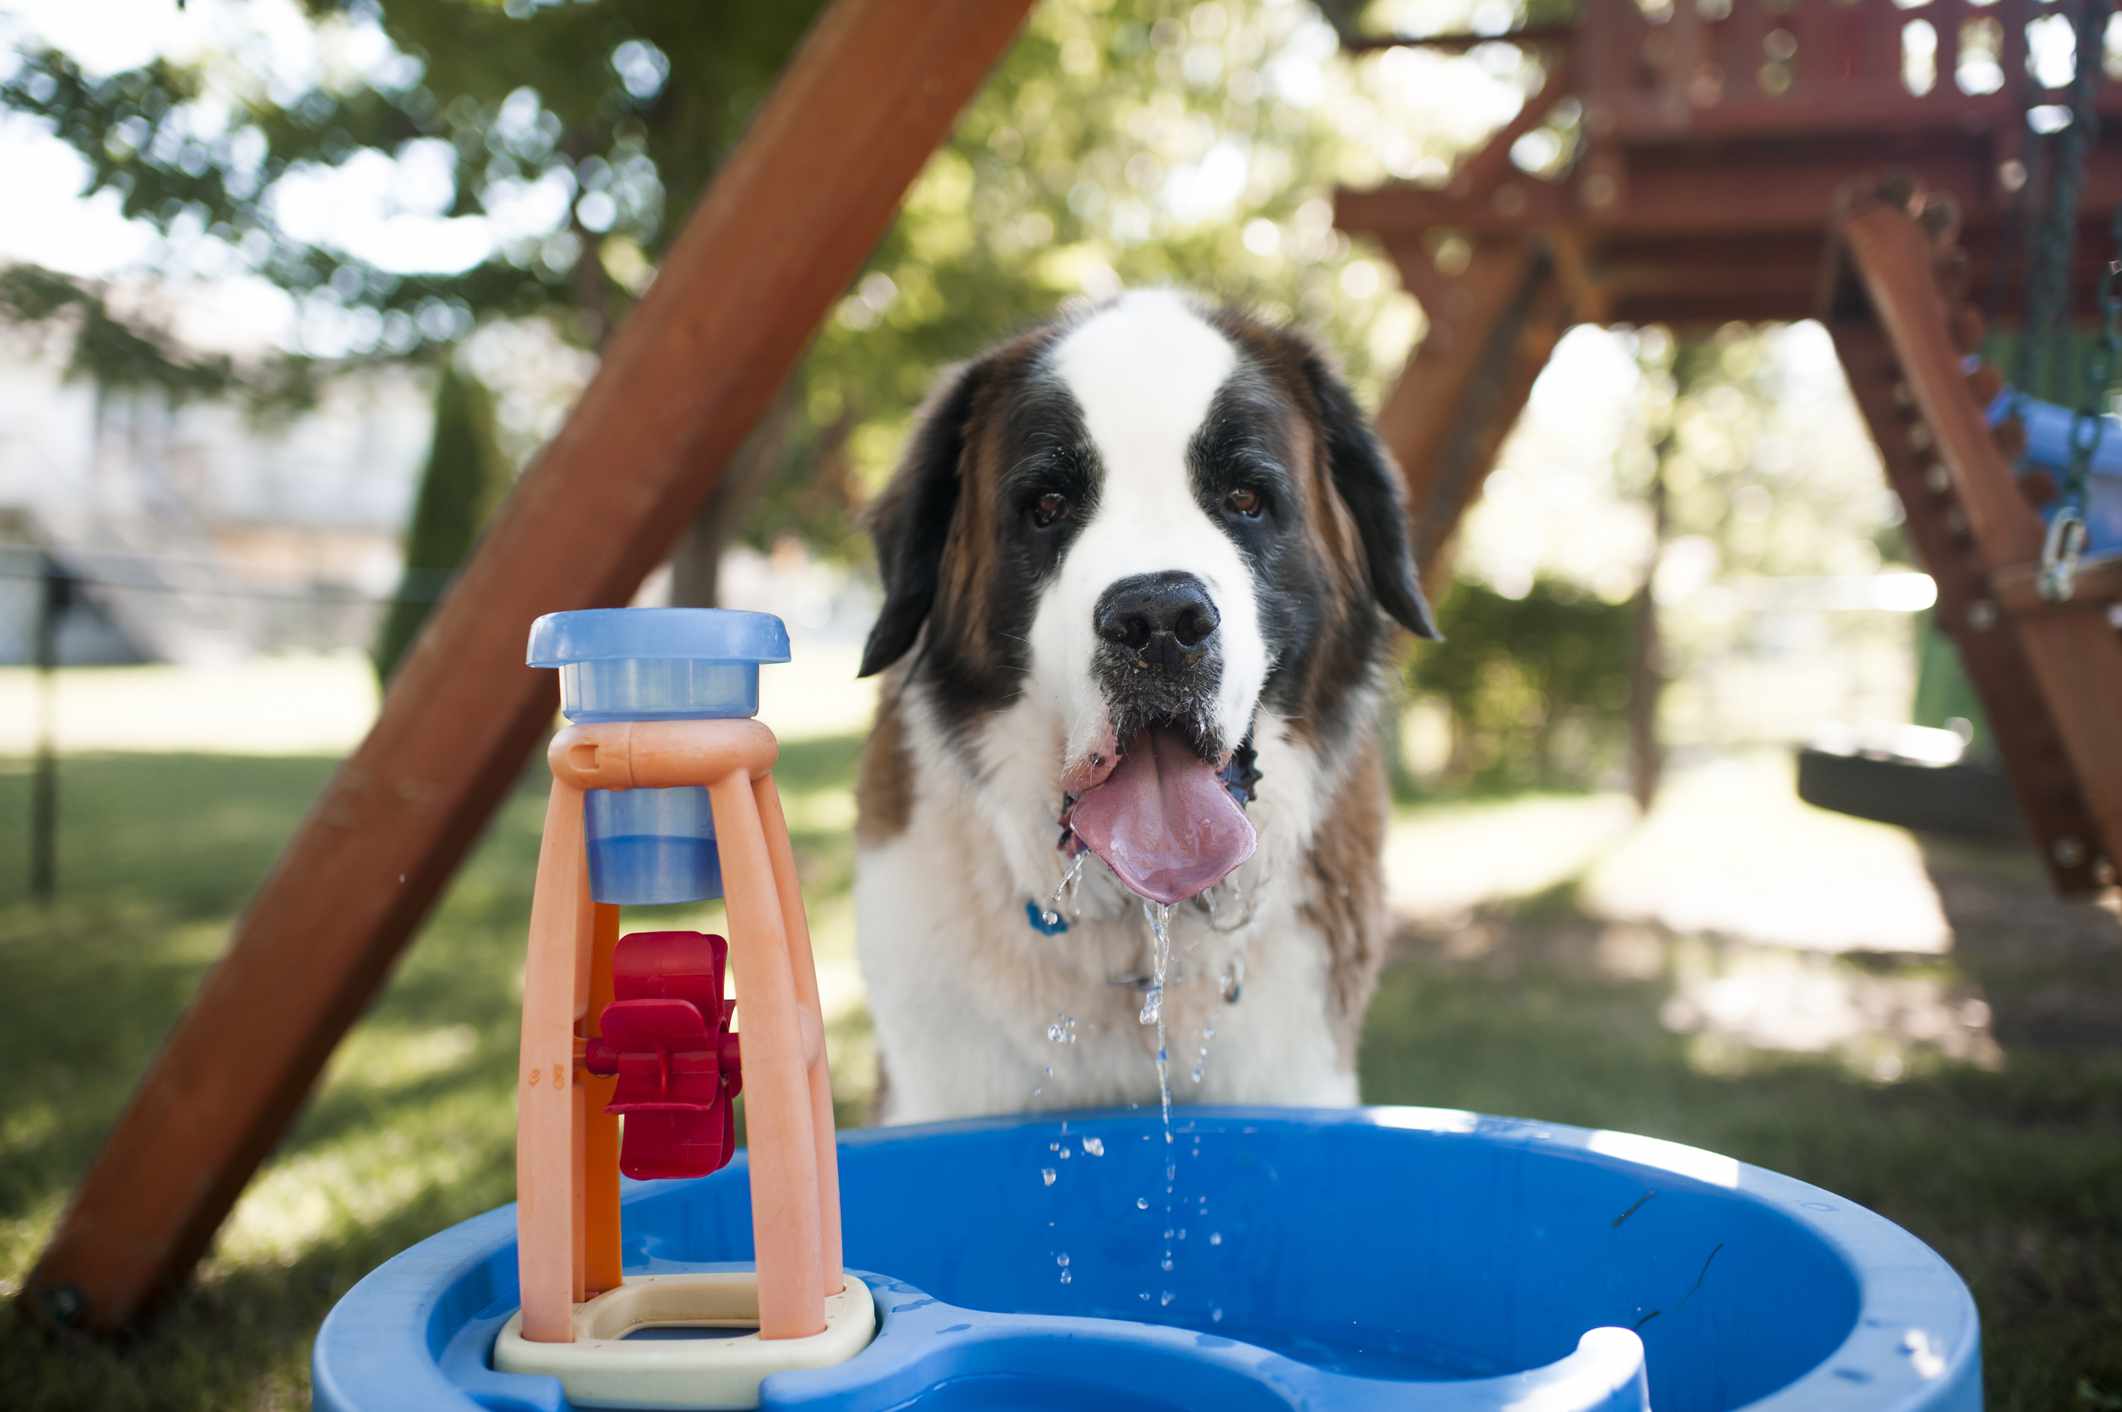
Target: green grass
x: 1973, y: 1096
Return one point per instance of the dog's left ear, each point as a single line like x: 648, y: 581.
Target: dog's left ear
x: 1369, y: 484
x: 911, y: 520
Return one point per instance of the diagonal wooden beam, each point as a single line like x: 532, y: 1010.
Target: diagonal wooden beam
x: 1463, y: 388
x: 2072, y: 660
x: 777, y: 238
x: 2040, y: 773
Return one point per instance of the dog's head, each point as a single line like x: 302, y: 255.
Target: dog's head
x: 1131, y: 534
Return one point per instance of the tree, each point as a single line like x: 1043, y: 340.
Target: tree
x: 1674, y: 372
x: 1536, y: 685
x: 463, y: 480
x: 539, y: 157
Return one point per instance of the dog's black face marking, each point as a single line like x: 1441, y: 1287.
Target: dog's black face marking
x: 1003, y: 479
x: 1048, y: 492
x: 1242, y: 465
x: 998, y: 482
x: 1332, y: 541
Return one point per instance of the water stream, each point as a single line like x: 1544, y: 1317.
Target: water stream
x: 1160, y: 919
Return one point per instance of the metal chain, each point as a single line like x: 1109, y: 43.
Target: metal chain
x: 2050, y: 290
x: 2039, y: 240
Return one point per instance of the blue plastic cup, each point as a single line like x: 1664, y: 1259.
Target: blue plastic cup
x: 655, y: 664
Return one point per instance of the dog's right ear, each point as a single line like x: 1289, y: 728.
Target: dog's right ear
x: 910, y: 521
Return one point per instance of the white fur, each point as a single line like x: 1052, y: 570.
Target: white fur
x: 1144, y: 372
x: 963, y: 988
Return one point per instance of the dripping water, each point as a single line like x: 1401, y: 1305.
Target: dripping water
x: 1208, y: 1032
x: 1065, y: 890
x: 1160, y: 918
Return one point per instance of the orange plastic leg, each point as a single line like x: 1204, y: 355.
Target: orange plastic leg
x: 548, y: 1158
x: 784, y: 1171
x: 805, y: 974
x: 600, y: 1147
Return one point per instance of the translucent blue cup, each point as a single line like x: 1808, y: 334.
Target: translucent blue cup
x: 655, y: 664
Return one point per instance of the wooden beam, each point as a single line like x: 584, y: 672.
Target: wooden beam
x: 2075, y: 658
x: 2097, y: 589
x: 1459, y: 41
x: 1420, y: 412
x: 1716, y: 191
x: 1462, y: 390
x: 1997, y: 668
x: 1590, y: 301
x: 779, y: 235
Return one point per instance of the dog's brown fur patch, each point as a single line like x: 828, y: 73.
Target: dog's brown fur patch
x: 964, y: 596
x: 1344, y: 893
x: 884, y: 786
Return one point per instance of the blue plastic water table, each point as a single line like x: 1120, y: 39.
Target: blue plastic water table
x: 655, y: 664
x: 1389, y: 1257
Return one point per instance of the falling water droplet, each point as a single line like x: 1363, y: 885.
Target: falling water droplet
x: 1095, y: 1146
x: 1047, y: 1175
x: 1067, y: 886
x: 1165, y: 1300
x: 1068, y: 1277
x: 1142, y: 1203
x: 1061, y: 1259
x: 1215, y: 1237
x: 1215, y: 1316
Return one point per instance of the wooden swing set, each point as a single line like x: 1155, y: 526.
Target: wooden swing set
x: 1728, y: 169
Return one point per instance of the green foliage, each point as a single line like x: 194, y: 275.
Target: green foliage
x: 106, y: 348
x: 461, y: 483
x: 626, y: 107
x: 1536, y: 687
x: 1058, y: 181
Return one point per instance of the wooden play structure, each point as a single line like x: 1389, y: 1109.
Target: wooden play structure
x: 1770, y: 160
x: 1729, y: 167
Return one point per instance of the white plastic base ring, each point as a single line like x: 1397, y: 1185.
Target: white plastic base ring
x: 602, y: 1369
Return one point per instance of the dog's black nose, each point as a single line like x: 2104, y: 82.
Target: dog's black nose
x: 1164, y: 619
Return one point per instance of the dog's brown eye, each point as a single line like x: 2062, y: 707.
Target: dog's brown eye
x: 1049, y: 508
x: 1244, y: 501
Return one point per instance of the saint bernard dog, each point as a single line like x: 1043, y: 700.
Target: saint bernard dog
x: 1138, y: 567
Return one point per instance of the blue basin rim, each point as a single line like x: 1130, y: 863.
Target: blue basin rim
x: 416, y: 1333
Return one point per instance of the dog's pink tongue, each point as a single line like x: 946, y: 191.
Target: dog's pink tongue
x: 1163, y: 822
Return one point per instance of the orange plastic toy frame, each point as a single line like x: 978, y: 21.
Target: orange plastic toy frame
x: 567, y: 1146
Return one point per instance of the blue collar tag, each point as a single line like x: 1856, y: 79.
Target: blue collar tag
x: 1037, y: 915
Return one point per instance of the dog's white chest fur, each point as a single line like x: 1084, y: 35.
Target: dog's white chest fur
x: 965, y: 990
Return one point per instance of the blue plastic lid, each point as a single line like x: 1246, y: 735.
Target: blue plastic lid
x: 666, y: 634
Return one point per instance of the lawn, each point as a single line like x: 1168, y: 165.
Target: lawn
x: 1921, y: 1029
